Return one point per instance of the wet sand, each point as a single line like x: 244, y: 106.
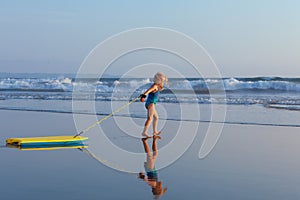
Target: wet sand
x: 248, y: 162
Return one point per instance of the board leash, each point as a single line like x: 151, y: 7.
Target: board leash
x: 105, y: 118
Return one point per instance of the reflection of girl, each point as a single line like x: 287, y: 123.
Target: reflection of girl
x: 151, y: 172
x: 152, y: 92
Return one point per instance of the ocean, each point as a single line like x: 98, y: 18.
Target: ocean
x: 53, y: 93
x: 276, y: 92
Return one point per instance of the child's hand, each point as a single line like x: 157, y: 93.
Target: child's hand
x: 142, y: 96
x: 141, y: 175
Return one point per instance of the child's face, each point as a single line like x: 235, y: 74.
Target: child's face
x: 161, y: 85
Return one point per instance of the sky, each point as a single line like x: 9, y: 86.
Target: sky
x: 244, y: 38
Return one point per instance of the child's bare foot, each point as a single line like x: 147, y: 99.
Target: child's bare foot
x: 157, y: 133
x: 146, y: 135
x: 155, y: 137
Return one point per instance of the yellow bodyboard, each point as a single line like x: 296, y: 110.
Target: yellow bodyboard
x: 48, y: 139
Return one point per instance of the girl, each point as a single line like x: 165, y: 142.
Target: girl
x: 152, y: 92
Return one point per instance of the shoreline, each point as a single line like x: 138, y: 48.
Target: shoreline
x: 143, y: 117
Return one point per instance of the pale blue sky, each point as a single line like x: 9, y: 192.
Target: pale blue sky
x: 245, y: 38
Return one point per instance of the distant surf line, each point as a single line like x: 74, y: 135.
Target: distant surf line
x: 142, y: 117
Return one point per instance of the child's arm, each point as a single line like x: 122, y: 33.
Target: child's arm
x: 151, y: 89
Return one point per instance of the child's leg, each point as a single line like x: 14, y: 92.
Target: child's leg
x: 155, y: 122
x: 154, y: 147
x: 149, y: 120
x: 154, y: 143
x: 146, y: 146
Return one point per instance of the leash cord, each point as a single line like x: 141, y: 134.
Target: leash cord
x: 105, y: 118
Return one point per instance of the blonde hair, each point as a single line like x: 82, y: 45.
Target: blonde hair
x: 160, y: 78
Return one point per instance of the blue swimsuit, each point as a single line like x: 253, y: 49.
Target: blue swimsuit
x: 151, y: 173
x: 152, y: 98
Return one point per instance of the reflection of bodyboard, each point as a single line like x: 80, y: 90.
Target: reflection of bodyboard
x: 51, y: 141
x: 44, y: 148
